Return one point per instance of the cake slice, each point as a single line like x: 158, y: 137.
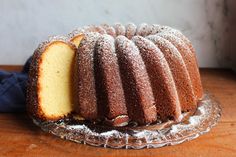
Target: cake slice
x: 49, y: 93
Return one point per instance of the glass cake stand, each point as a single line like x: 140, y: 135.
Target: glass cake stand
x: 131, y: 137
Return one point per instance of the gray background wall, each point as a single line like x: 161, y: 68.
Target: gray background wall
x: 209, y: 24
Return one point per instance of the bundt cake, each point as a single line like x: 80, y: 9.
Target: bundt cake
x: 115, y: 75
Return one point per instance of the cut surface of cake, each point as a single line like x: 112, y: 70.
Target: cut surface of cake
x: 50, y: 80
x: 115, y: 75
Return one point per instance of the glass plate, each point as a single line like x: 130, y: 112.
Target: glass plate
x: 152, y: 136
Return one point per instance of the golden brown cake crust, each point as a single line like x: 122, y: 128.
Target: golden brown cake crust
x: 84, y: 80
x: 32, y: 99
x: 109, y: 81
x: 163, y: 86
x: 138, y: 92
x: 179, y: 71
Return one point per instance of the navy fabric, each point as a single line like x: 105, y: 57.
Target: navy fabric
x: 13, y: 89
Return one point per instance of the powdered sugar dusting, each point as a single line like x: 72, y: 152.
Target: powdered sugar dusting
x: 52, y: 39
x: 89, y: 40
x: 171, y: 37
x: 77, y: 127
x: 159, y: 28
x: 154, y: 29
x: 76, y: 32
x: 193, y: 121
x: 138, y: 74
x: 155, y: 58
x: 109, y: 68
x: 130, y: 30
x: 93, y: 28
x: 145, y: 44
x: 176, y: 33
x: 143, y: 30
x: 84, y: 80
x: 86, y: 29
x: 120, y: 29
x: 106, y: 41
x: 158, y: 40
x: 129, y: 47
x: 109, y: 29
x: 112, y: 133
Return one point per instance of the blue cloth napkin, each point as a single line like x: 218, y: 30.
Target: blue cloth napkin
x: 13, y: 89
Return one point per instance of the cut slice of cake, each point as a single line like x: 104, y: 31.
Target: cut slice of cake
x: 50, y: 80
